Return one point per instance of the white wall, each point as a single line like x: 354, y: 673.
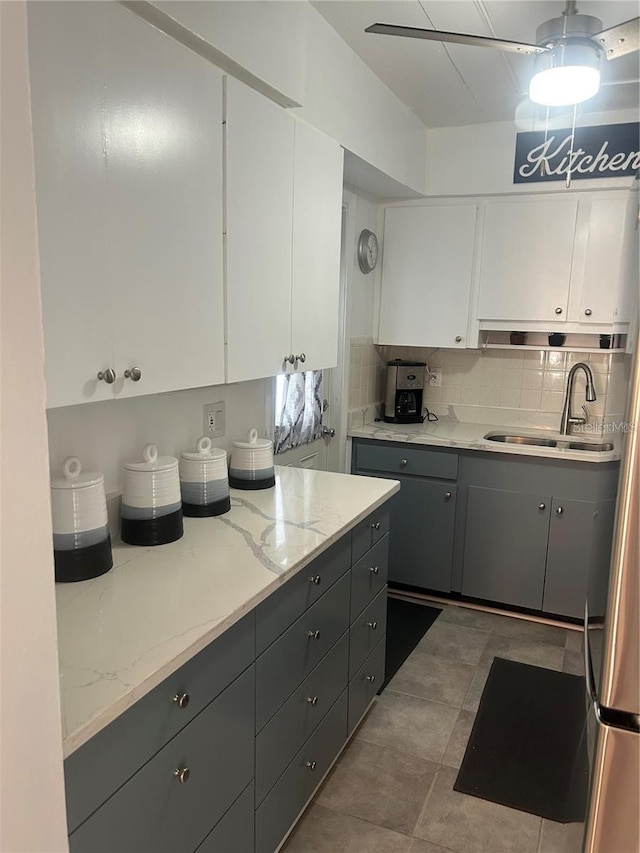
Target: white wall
x: 108, y: 434
x: 478, y: 159
x: 364, y: 289
x: 31, y: 780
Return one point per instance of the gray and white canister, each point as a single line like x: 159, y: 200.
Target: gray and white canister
x: 151, y: 503
x: 204, y: 480
x: 252, y: 463
x: 81, y: 539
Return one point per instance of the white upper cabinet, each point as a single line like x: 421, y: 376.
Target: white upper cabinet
x: 526, y: 259
x: 317, y: 221
x: 284, y: 209
x: 259, y: 223
x: 128, y: 152
x: 427, y: 269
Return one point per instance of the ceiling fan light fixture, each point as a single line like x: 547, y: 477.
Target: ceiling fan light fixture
x: 569, y: 73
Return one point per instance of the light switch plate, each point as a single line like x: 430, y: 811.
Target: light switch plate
x: 213, y: 418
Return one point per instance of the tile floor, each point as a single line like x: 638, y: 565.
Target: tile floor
x: 392, y: 789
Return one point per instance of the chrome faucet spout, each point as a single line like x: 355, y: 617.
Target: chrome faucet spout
x: 590, y: 395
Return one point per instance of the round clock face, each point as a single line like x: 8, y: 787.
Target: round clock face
x: 367, y: 251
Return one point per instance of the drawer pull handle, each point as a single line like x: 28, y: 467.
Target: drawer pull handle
x: 135, y: 374
x: 375, y: 525
x: 588, y: 312
x: 560, y: 510
x: 372, y: 625
x: 370, y: 678
x: 447, y: 496
x: 315, y: 579
x: 542, y: 506
x: 403, y: 462
x: 108, y: 376
x: 374, y: 570
x: 182, y: 774
x: 310, y: 764
x: 313, y: 635
x: 312, y: 700
x: 181, y: 700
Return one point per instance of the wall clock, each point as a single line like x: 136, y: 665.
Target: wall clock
x: 367, y: 250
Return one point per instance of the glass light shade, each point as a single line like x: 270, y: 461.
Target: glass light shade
x: 564, y: 85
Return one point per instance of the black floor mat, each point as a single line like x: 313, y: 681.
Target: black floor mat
x: 407, y: 623
x: 527, y: 748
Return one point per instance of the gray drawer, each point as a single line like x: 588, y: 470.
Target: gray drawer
x: 286, y: 732
x: 365, y: 684
x: 365, y: 534
x: 369, y: 575
x: 366, y: 631
x: 153, y: 812
x: 285, y: 800
x: 288, y: 602
x: 407, y: 460
x: 234, y: 833
x: 289, y: 660
x: 97, y: 769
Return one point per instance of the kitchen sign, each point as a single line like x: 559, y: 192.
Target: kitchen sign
x: 602, y: 151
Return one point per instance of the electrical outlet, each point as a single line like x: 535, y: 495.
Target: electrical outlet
x: 213, y: 420
x: 435, y: 379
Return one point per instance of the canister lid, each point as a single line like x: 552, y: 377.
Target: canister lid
x: 204, y: 452
x: 253, y: 442
x: 74, y: 478
x: 151, y: 461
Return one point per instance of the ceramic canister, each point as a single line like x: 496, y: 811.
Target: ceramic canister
x: 252, y: 463
x: 81, y: 540
x: 204, y: 480
x: 151, y: 503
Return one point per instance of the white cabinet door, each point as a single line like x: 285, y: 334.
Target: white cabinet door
x: 606, y: 240
x: 67, y: 94
x: 527, y: 253
x: 426, y: 275
x: 163, y: 132
x: 259, y: 180
x: 317, y: 227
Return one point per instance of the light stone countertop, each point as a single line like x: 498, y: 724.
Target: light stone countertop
x: 450, y: 432
x: 121, y: 634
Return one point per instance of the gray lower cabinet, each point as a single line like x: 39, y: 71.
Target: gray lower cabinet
x: 224, y: 754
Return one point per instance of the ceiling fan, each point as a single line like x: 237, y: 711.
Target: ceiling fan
x: 568, y: 51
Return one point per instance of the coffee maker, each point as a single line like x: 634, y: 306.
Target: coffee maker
x: 403, y: 400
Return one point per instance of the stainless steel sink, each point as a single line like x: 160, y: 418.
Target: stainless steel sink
x: 521, y: 439
x: 596, y: 447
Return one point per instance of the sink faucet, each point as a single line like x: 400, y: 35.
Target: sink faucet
x: 567, y: 417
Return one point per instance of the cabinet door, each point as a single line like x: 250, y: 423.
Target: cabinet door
x: 164, y: 169
x: 505, y: 546
x: 426, y: 275
x: 527, y: 252
x: 607, y: 233
x: 259, y: 172
x: 317, y: 228
x: 67, y: 96
x: 421, y: 539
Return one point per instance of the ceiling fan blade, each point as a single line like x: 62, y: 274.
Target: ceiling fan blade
x: 454, y: 38
x: 621, y: 39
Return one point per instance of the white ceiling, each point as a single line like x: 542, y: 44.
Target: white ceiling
x: 459, y: 84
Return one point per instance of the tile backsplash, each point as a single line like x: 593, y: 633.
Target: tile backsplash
x: 529, y: 380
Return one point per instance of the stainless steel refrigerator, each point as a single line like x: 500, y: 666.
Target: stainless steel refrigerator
x: 612, y: 663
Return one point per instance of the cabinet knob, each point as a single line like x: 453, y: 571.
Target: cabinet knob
x: 374, y: 570
x: 312, y: 700
x: 542, y: 506
x: 447, y: 496
x: 370, y: 678
x: 375, y: 525
x: 182, y: 774
x: 181, y: 700
x: 108, y: 376
x: 559, y: 511
x: 302, y: 357
x: 135, y: 374
x: 458, y: 338
x: 588, y: 312
x: 313, y: 635
x: 289, y: 358
x: 403, y: 462
x: 558, y: 310
x: 372, y: 625
x: 310, y: 764
x: 316, y: 580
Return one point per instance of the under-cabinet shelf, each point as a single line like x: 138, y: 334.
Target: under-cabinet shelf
x: 570, y: 347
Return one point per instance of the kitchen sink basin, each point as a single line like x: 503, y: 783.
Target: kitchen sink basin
x: 562, y: 443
